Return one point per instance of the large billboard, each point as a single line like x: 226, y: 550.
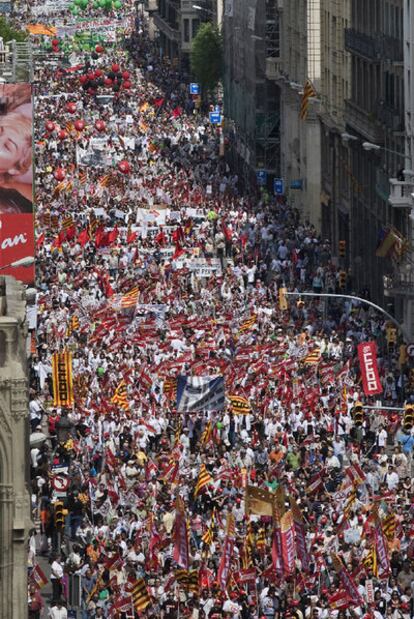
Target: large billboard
x: 16, y: 181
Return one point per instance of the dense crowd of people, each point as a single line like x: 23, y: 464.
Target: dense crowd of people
x: 153, y: 268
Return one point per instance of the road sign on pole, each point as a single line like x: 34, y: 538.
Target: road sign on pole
x: 261, y: 176
x: 194, y: 89
x: 215, y: 118
x: 278, y: 186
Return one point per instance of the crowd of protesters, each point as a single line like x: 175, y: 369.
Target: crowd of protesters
x: 152, y: 264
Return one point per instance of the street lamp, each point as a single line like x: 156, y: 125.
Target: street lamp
x: 27, y: 261
x: 197, y: 7
x: 64, y: 428
x: 370, y: 146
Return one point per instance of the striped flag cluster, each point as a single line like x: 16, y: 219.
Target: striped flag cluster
x: 140, y: 597
x: 239, y: 405
x: 308, y: 92
x: 204, y: 478
x: 188, y: 580
x: 130, y: 299
x: 248, y: 324
x: 389, y: 525
x: 120, y: 396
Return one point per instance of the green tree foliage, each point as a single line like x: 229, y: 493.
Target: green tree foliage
x: 8, y: 32
x: 207, y: 57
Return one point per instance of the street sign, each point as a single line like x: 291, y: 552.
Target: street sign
x: 60, y: 483
x: 215, y: 118
x: 261, y: 176
x: 410, y: 350
x: 278, y: 186
x: 194, y: 89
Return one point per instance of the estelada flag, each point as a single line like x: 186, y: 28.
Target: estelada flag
x: 258, y: 501
x: 62, y: 379
x: 37, y: 577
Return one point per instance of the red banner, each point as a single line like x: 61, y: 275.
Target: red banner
x: 180, y: 552
x: 288, y: 542
x: 300, y: 536
x: 16, y: 243
x: 227, y: 553
x: 367, y: 354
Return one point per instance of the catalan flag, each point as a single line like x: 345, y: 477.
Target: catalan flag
x: 63, y: 186
x: 93, y: 224
x: 370, y: 562
x: 239, y: 405
x: 207, y: 537
x: 207, y: 434
x: 350, y: 502
x: 178, y: 431
x: 204, y: 478
x: 261, y: 540
x: 389, y: 525
x: 73, y: 325
x: 69, y: 127
x: 170, y: 388
x: 140, y: 598
x: 308, y: 92
x: 120, y: 396
x: 83, y: 177
x: 130, y: 298
x: 188, y: 579
x: 104, y: 180
x: 248, y: 324
x: 67, y: 222
x: 313, y: 357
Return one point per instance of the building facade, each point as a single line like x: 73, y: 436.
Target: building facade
x: 14, y: 449
x: 336, y: 177
x: 301, y: 137
x: 177, y: 23
x: 374, y: 114
x: 251, y: 41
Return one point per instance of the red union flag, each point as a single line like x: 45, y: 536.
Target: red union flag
x: 367, y: 354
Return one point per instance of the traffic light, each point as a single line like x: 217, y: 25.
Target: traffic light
x: 342, y: 249
x: 282, y: 299
x: 408, y: 420
x: 358, y: 414
x: 342, y: 279
x: 60, y: 515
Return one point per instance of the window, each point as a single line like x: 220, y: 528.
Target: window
x: 196, y: 23
x: 186, y: 30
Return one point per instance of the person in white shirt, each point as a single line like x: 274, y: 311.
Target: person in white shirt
x: 58, y: 611
x: 382, y: 437
x: 56, y: 576
x: 391, y: 478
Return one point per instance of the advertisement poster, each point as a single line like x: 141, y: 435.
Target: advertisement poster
x: 16, y: 181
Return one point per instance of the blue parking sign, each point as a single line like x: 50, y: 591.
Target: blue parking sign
x: 261, y: 176
x: 194, y: 89
x: 215, y: 118
x: 278, y: 186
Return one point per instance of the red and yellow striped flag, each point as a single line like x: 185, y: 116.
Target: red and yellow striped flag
x: 308, y: 92
x: 62, y: 379
x: 120, y: 396
x: 140, y: 597
x: 204, y: 478
x: 130, y: 298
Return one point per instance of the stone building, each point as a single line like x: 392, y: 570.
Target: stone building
x: 14, y: 497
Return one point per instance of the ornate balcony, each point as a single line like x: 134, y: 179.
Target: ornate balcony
x: 400, y: 193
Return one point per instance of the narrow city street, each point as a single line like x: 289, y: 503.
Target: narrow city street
x: 206, y: 451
